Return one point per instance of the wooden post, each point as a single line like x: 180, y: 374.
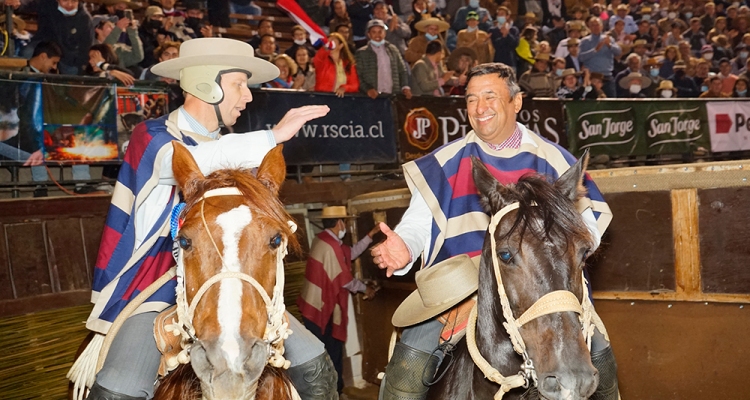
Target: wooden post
x: 686, y: 242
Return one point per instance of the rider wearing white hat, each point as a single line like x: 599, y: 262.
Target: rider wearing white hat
x: 214, y: 73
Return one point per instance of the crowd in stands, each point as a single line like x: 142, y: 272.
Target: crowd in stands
x: 572, y: 49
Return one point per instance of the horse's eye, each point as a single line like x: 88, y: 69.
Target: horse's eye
x: 275, y: 241
x: 505, y: 256
x: 586, y: 254
x: 185, y: 243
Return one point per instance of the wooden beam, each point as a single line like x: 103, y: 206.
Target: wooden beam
x: 674, y: 296
x: 686, y: 242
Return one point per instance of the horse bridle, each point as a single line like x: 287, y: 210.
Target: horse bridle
x: 277, y: 328
x: 553, y: 302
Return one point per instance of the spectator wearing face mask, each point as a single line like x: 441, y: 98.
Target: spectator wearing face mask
x: 634, y: 65
x: 740, y: 88
x: 476, y: 39
x: 738, y: 63
x: 707, y: 53
x: 430, y: 29
x: 504, y: 38
x: 380, y: 68
x: 634, y: 85
x: 148, y: 32
x: 420, y: 9
x: 483, y: 16
x: 299, y: 35
x: 556, y: 72
x: 651, y: 67
x: 665, y: 90
x: 194, y: 13
x: 68, y: 24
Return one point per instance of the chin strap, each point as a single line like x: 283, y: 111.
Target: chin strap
x: 218, y: 116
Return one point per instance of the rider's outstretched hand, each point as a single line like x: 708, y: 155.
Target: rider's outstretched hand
x: 391, y: 255
x: 294, y: 119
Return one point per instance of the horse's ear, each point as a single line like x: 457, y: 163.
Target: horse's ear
x: 571, y: 182
x: 272, y: 170
x: 184, y: 167
x: 492, y: 195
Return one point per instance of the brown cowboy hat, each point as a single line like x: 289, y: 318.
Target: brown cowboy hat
x: 665, y: 85
x: 424, y: 23
x: 654, y: 61
x: 542, y: 57
x: 334, y: 212
x: 456, y: 55
x: 625, y: 82
x: 720, y: 40
x: 568, y: 72
x: 439, y: 288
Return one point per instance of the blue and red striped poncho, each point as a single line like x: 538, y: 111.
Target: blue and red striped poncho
x: 122, y: 271
x: 444, y: 179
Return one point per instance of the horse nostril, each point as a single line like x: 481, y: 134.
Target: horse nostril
x: 550, y: 384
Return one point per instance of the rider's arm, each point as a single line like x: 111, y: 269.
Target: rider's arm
x: 415, y: 229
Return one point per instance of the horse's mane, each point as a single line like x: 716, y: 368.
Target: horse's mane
x: 540, y: 200
x: 254, y: 191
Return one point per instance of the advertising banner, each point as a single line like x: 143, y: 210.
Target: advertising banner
x: 636, y: 127
x: 426, y: 123
x: 21, y: 139
x: 356, y: 130
x: 80, y: 123
x: 135, y: 105
x: 729, y: 122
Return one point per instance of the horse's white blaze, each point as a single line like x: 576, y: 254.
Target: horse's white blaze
x: 232, y: 223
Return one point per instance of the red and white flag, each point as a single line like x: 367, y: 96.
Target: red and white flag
x: 300, y: 16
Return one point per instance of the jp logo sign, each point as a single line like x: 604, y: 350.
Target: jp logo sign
x: 421, y: 128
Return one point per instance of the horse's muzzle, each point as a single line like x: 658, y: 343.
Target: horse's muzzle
x: 569, y: 384
x: 229, y: 376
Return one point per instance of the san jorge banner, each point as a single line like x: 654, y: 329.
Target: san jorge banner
x: 636, y: 127
x: 358, y: 129
x: 425, y: 123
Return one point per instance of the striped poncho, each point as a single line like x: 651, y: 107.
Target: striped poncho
x: 444, y: 179
x: 122, y: 271
x: 323, y: 298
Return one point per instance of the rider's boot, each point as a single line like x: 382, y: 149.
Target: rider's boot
x: 604, y: 361
x: 406, y: 374
x: 99, y: 393
x: 315, y: 379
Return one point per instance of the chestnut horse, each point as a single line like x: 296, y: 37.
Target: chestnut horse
x: 233, y: 236
x: 536, y: 245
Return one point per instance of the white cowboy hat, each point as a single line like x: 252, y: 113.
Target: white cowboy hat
x: 439, y: 288
x: 625, y: 82
x: 229, y: 53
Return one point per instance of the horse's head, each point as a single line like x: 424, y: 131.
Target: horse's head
x: 234, y: 229
x: 540, y: 248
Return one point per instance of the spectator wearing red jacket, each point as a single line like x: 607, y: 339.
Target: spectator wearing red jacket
x: 335, y: 68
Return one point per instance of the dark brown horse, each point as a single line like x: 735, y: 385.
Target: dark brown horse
x: 541, y: 247
x: 238, y: 234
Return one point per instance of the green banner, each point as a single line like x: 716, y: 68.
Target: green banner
x: 637, y: 127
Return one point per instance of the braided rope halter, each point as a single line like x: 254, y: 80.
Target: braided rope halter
x: 553, y: 302
x: 277, y: 328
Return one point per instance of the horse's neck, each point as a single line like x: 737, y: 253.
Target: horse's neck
x: 492, y: 339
